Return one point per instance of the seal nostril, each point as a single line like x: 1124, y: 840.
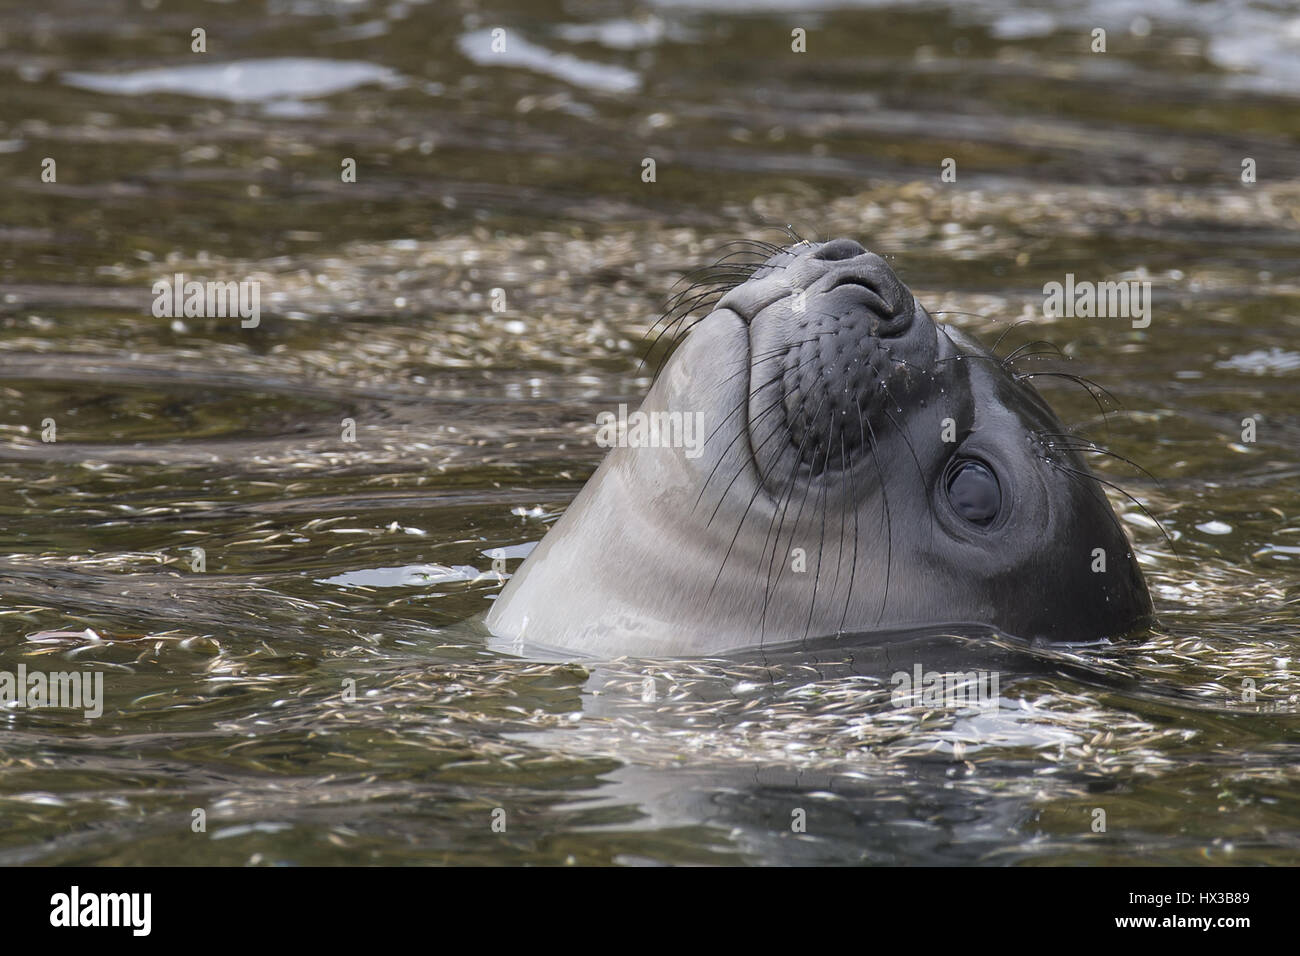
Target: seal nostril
x: 838, y: 249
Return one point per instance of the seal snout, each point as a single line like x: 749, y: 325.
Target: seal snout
x: 889, y: 306
x: 843, y: 341
x: 837, y: 250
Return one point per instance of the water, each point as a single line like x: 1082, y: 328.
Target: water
x: 334, y: 566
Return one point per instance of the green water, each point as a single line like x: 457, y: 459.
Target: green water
x: 230, y: 689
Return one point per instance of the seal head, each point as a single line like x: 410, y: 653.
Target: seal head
x: 865, y: 468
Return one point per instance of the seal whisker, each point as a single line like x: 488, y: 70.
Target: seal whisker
x: 743, y: 432
x: 1035, y: 354
x: 760, y: 357
x: 739, y: 434
x: 765, y: 249
x: 745, y: 514
x: 920, y: 472
x: 736, y: 534
x: 853, y: 565
x: 675, y: 332
x: 821, y: 551
x: 1005, y: 332
x: 957, y: 358
x: 794, y: 528
x: 784, y: 509
x: 696, y: 294
x: 839, y: 558
x: 1051, y: 347
x: 731, y: 257
x: 655, y: 338
x: 1116, y: 487
x: 696, y: 275
x: 1087, y: 383
x: 712, y: 281
x: 748, y: 369
x: 706, y: 283
x: 1091, y: 447
x: 821, y: 543
x: 884, y: 497
x: 757, y: 359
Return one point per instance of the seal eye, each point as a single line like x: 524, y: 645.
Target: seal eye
x: 974, y: 492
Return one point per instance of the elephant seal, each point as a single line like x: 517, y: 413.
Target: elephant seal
x: 864, y: 469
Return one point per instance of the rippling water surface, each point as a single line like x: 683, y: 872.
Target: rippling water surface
x: 330, y: 565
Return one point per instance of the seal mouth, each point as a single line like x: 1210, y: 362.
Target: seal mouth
x: 888, y: 320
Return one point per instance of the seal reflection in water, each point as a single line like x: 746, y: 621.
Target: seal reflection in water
x: 865, y: 469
